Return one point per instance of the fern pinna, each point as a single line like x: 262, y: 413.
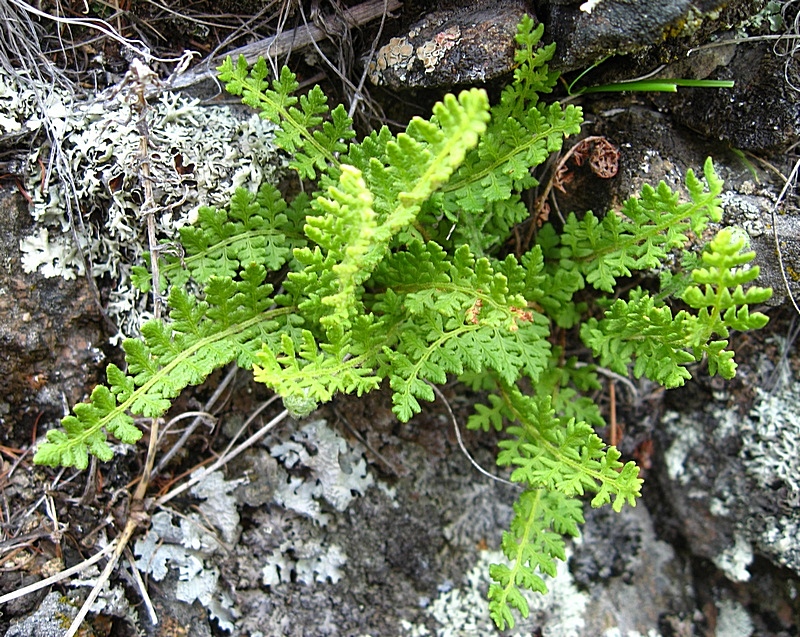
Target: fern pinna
x: 391, y: 272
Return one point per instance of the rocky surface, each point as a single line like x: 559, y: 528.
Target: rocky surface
x: 50, y: 334
x: 451, y: 46
x: 619, y: 27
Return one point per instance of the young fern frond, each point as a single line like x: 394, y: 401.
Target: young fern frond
x: 346, y: 225
x: 644, y: 329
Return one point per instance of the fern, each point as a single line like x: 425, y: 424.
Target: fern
x: 536, y: 539
x: 304, y: 133
x: 392, y: 273
x: 641, y: 237
x: 662, y: 344
x: 231, y: 322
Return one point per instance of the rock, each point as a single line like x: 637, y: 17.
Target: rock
x: 634, y: 578
x: 616, y: 27
x: 50, y: 335
x: 761, y: 113
x: 452, y: 46
x: 51, y: 619
x: 727, y: 466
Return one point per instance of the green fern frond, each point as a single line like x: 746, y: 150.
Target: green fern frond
x: 307, y: 376
x: 563, y: 455
x: 482, y: 202
x: 305, y: 133
x: 201, y: 337
x: 256, y: 228
x: 644, y: 329
x: 483, y: 199
x: 641, y: 237
x: 536, y: 539
x: 458, y: 314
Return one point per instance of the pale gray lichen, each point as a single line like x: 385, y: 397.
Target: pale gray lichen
x: 734, y: 560
x: 337, y: 471
x: 687, y: 438
x: 773, y: 436
x: 309, y: 562
x: 189, y: 548
x: 733, y: 620
x: 198, y: 155
x: 464, y: 611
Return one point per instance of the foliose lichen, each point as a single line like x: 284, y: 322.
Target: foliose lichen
x: 198, y: 155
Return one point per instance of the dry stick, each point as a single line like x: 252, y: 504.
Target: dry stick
x: 122, y: 542
x: 358, y: 95
x: 136, y: 517
x: 786, y: 186
x: 137, y: 577
x: 140, y: 77
x: 292, y: 40
x: 613, y: 437
x: 229, y: 455
x: 54, y: 579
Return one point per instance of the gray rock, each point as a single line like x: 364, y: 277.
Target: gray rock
x: 49, y: 620
x: 616, y: 27
x: 451, y: 46
x: 762, y: 110
x: 49, y: 334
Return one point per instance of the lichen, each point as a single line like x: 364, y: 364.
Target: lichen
x: 733, y: 620
x: 190, y: 547
x: 337, y: 471
x: 198, y: 155
x: 734, y: 560
x: 464, y: 611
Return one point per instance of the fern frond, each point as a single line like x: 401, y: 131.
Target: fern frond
x: 169, y: 357
x: 483, y: 199
x: 455, y: 314
x: 424, y: 158
x: 644, y: 329
x: 305, y: 133
x: 256, y: 228
x: 536, y: 539
x: 309, y: 375
x: 563, y: 455
x: 532, y: 75
x: 641, y: 237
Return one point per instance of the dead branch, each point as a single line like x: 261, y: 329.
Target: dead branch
x: 292, y: 40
